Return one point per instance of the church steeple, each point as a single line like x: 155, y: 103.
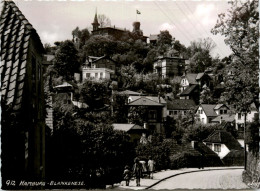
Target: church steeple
x: 95, y: 23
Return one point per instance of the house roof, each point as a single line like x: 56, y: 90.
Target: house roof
x: 180, y: 104
x: 15, y: 32
x: 191, y: 78
x: 49, y: 57
x: 188, y: 90
x: 127, y: 127
x: 209, y: 110
x: 224, y: 137
x: 203, y: 149
x: 199, y: 76
x: 154, y: 37
x: 153, y: 98
x: 144, y: 101
x: 224, y: 117
x: 218, y: 106
x: 129, y: 92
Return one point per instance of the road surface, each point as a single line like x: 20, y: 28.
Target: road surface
x: 215, y: 179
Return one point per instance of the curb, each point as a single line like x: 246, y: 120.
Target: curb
x: 187, y: 173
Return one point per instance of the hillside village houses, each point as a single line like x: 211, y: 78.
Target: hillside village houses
x: 172, y: 66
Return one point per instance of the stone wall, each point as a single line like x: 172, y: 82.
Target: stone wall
x: 252, y: 174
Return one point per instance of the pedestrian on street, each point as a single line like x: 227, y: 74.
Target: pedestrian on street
x: 137, y: 171
x: 151, y: 165
x: 127, y: 175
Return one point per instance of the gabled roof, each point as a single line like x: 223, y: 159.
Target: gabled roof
x: 129, y: 92
x: 188, y: 90
x: 154, y: 37
x: 223, y: 137
x: 218, y: 106
x: 156, y: 99
x: 199, y: 76
x: 15, y: 32
x: 224, y: 117
x: 191, y: 78
x: 209, y: 110
x: 180, y: 104
x: 152, y: 98
x: 127, y: 127
x: 144, y: 101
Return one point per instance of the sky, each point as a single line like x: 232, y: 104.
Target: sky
x: 185, y: 20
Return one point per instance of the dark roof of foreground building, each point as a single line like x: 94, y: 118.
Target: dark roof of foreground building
x: 180, y: 104
x: 223, y: 137
x: 144, y: 101
x: 127, y: 127
x: 188, y: 90
x: 209, y: 109
x: 15, y: 32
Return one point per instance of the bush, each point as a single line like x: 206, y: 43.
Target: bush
x: 184, y: 160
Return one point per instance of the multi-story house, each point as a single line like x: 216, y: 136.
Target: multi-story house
x: 169, y: 66
x: 191, y: 85
x: 240, y: 119
x: 23, y: 120
x: 207, y: 112
x: 98, y: 68
x: 178, y: 107
x: 155, y: 111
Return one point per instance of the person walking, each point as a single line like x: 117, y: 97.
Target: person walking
x: 127, y: 175
x: 137, y: 171
x: 151, y: 164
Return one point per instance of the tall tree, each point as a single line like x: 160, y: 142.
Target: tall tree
x: 241, y: 29
x: 66, y: 60
x: 104, y: 21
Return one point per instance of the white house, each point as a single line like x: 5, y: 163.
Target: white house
x: 205, y: 113
x: 98, y: 68
x: 221, y: 142
x: 240, y: 117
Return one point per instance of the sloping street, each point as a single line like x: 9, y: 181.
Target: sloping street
x: 215, y: 179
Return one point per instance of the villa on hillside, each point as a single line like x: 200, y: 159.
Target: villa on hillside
x: 98, y: 68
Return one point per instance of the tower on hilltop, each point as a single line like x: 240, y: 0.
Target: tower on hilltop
x: 95, y: 23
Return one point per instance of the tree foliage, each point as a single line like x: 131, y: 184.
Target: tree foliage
x: 240, y: 28
x: 66, y: 60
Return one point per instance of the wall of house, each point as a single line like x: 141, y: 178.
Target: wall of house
x: 223, y: 150
x: 202, y: 116
x: 223, y: 108
x: 184, y: 84
x: 249, y: 118
x: 96, y: 73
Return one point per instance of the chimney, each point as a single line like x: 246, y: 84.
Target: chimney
x: 159, y: 98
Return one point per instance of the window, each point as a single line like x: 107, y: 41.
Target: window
x: 240, y: 127
x: 88, y: 75
x: 225, y: 111
x: 101, y: 75
x: 209, y: 145
x: 175, y: 112
x: 96, y: 75
x: 152, y: 114
x: 217, y: 147
x: 170, y: 112
x: 184, y: 112
x: 239, y: 116
x: 221, y: 111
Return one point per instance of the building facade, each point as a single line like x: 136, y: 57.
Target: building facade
x: 23, y: 120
